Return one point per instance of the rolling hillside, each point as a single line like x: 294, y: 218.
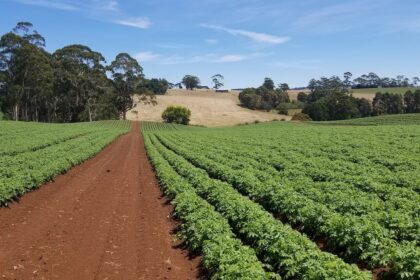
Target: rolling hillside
x: 207, y: 108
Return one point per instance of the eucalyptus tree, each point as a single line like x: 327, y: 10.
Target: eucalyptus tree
x: 268, y: 84
x: 80, y: 79
x: 218, y: 81
x: 416, y: 81
x: 128, y: 81
x: 347, y: 79
x: 191, y: 82
x: 26, y: 72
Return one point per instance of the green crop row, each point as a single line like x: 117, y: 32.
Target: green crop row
x: 18, y: 137
x: 156, y: 126
x: 355, y: 238
x: 26, y: 170
x: 291, y: 254
x: 205, y: 230
x: 397, y: 215
x: 404, y: 119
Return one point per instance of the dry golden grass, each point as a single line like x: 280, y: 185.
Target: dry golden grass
x: 207, y: 108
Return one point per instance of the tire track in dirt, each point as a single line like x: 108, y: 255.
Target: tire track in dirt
x: 104, y: 219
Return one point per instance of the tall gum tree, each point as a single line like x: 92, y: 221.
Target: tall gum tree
x: 80, y: 74
x: 128, y: 81
x: 26, y: 72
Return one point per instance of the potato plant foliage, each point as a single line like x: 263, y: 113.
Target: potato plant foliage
x: 34, y: 153
x: 312, y: 201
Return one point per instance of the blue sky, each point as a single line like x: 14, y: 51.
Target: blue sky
x: 288, y: 40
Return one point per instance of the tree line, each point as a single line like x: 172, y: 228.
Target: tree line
x: 328, y: 99
x: 331, y: 99
x: 372, y: 80
x: 72, y: 84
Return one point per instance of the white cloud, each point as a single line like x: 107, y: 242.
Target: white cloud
x: 107, y: 6
x: 146, y: 56
x: 104, y: 10
x: 211, y: 41
x: 258, y: 37
x: 342, y: 16
x: 140, y: 22
x: 206, y: 58
x: 59, y: 5
x: 230, y: 58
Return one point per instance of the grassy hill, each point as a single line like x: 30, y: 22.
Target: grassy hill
x: 400, y: 90
x: 207, y: 107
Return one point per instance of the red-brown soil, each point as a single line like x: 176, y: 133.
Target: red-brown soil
x: 104, y: 219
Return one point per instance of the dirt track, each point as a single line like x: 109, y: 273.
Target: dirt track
x: 104, y: 219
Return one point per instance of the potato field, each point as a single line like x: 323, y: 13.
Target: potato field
x: 34, y: 153
x: 296, y: 201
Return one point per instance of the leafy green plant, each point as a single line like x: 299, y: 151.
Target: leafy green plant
x: 176, y: 114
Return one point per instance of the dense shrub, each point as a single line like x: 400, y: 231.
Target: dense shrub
x: 302, y: 97
x: 329, y: 99
x: 283, y: 108
x: 412, y: 101
x: 176, y: 114
x: 334, y: 106
x: 364, y: 107
x: 387, y: 103
x: 263, y: 98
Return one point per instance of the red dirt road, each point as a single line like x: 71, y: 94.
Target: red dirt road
x: 104, y: 219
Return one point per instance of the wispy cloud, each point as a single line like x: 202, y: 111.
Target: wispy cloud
x: 107, y: 10
x: 410, y: 25
x: 146, y: 56
x: 211, y: 41
x: 140, y: 22
x: 108, y: 6
x: 342, y: 16
x: 230, y: 58
x: 255, y: 36
x: 60, y: 5
x: 182, y: 59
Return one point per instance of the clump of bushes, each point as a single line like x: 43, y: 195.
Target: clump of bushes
x: 176, y: 114
x: 266, y: 97
x: 301, y: 117
x: 330, y: 99
x: 284, y: 107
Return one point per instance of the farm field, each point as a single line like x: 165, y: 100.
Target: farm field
x: 402, y: 119
x: 34, y: 153
x: 369, y: 93
x: 208, y: 108
x: 400, y: 90
x: 103, y: 219
x: 278, y: 200
x: 301, y: 201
